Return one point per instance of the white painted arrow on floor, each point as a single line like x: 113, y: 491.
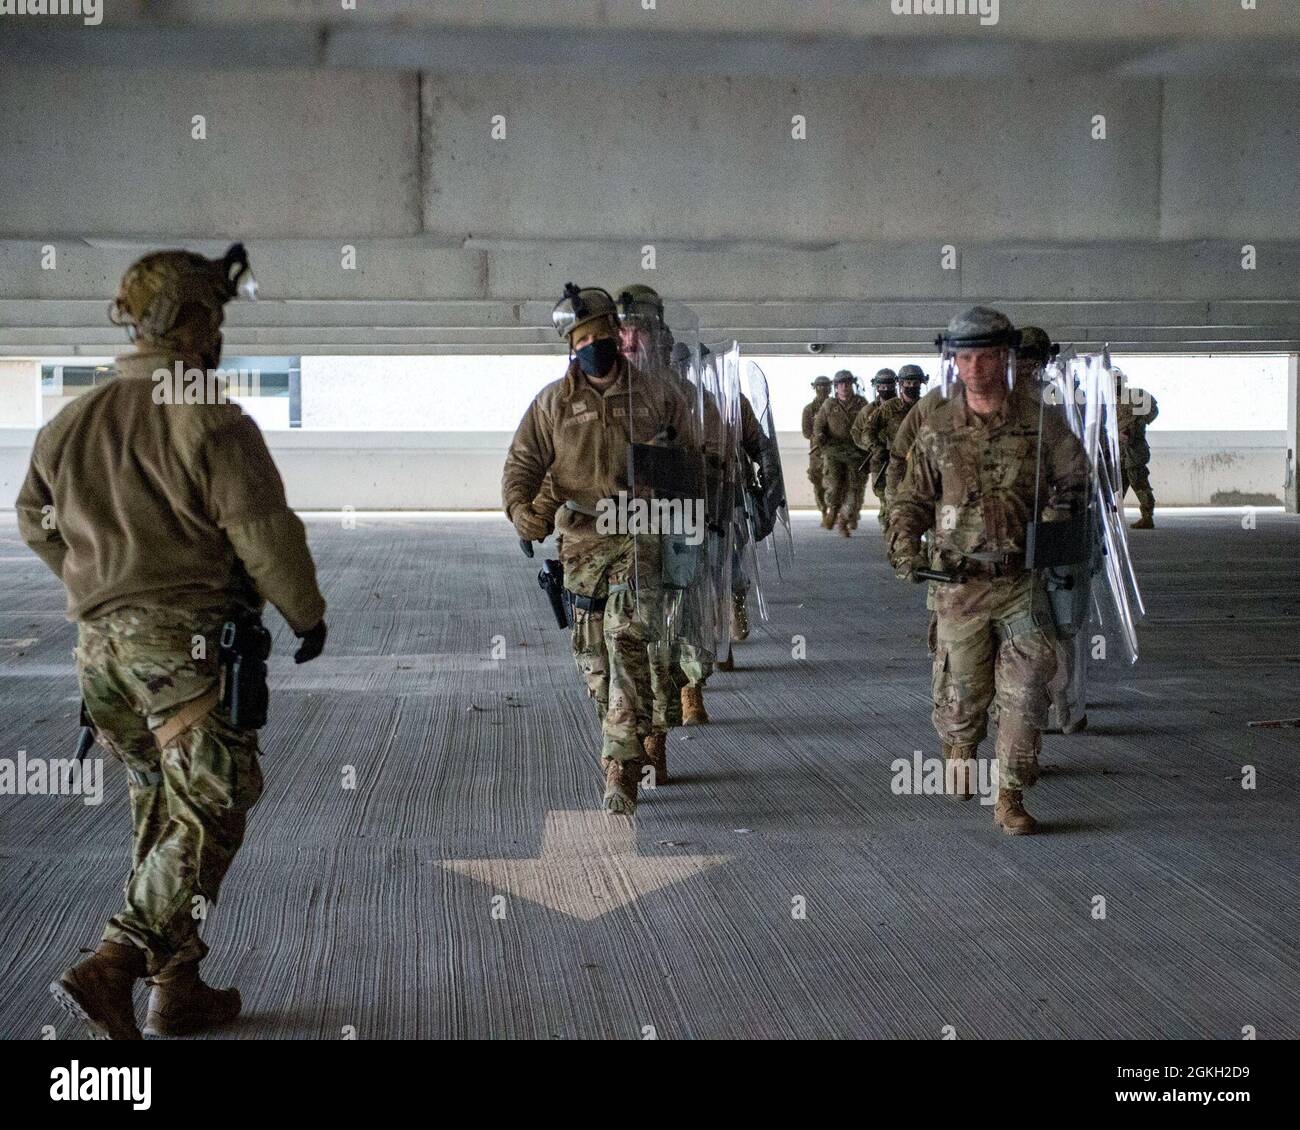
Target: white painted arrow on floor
x: 588, y: 866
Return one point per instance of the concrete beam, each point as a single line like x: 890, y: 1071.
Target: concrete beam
x: 886, y: 161
x: 286, y: 153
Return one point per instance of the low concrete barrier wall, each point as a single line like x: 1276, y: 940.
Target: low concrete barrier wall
x: 327, y: 470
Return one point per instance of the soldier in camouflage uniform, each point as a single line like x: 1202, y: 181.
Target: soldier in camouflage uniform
x: 875, y: 428
x: 970, y: 485
x: 885, y: 386
x: 164, y: 520
x: 577, y: 431
x: 832, y: 432
x: 679, y: 669
x: 1135, y: 409
x: 822, y: 390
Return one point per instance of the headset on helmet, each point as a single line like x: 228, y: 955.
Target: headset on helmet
x: 581, y: 305
x: 639, y: 302
x: 157, y: 287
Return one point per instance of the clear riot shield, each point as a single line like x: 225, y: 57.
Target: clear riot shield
x: 666, y: 474
x: 1069, y: 588
x: 1084, y: 387
x: 729, y: 545
x: 767, y: 505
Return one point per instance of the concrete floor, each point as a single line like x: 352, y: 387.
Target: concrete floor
x: 371, y: 909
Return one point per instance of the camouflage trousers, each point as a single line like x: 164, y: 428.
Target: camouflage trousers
x: 844, y: 485
x: 994, y: 644
x: 674, y: 666
x: 1137, y: 474
x: 1066, y: 688
x: 878, y: 489
x: 189, y: 801
x: 612, y: 647
x: 815, y: 477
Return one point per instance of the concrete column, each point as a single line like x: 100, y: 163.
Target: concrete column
x: 20, y: 393
x: 1292, y: 430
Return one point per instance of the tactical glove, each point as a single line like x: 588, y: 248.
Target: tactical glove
x: 531, y: 527
x: 313, y: 643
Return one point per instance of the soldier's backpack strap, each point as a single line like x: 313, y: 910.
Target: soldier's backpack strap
x: 191, y: 712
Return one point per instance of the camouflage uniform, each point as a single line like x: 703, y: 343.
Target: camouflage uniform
x: 574, y: 439
x: 840, y: 457
x: 816, y: 472
x: 971, y: 483
x: 169, y: 517
x: 896, y: 467
x: 876, y: 437
x: 613, y: 644
x: 189, y: 803
x: 1134, y: 451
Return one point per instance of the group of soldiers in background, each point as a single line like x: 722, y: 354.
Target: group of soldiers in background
x: 644, y: 641
x: 851, y: 438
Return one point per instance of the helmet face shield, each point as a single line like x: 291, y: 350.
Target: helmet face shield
x: 579, y: 306
x: 978, y: 368
x: 978, y: 347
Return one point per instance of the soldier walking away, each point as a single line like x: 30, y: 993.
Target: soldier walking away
x: 578, y: 430
x: 822, y: 390
x: 832, y: 432
x: 978, y: 475
x: 1135, y: 410
x: 167, y: 523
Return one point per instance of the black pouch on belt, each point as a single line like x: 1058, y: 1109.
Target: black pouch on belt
x: 245, y: 647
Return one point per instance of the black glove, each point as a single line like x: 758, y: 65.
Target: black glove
x: 313, y: 643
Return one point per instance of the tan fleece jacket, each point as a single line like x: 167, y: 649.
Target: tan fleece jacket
x: 135, y: 503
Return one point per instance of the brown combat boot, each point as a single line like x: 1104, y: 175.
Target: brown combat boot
x: 98, y: 991
x: 656, y: 755
x: 1010, y: 815
x: 180, y: 1003
x: 1147, y: 501
x: 960, y: 762
x: 693, y: 712
x: 739, y: 617
x: 828, y: 520
x: 621, y: 779
x: 843, y: 528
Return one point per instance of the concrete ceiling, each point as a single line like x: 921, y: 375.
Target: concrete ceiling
x: 364, y: 128
x: 793, y: 37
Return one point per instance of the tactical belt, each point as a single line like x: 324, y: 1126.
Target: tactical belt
x: 594, y: 603
x: 586, y: 603
x: 996, y: 564
x: 191, y: 712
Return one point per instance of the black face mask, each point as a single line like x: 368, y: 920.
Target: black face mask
x: 597, y: 357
